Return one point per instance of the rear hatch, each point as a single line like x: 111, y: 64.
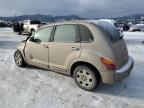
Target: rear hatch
x: 120, y: 53
x: 117, y: 43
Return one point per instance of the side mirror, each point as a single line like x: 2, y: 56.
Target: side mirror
x: 32, y: 39
x: 35, y: 40
x: 27, y: 38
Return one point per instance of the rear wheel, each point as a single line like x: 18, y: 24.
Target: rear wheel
x: 19, y: 59
x: 86, y: 78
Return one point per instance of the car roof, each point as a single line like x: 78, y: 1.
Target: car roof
x: 73, y: 22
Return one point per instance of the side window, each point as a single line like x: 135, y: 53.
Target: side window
x: 43, y: 35
x: 86, y: 35
x: 65, y: 33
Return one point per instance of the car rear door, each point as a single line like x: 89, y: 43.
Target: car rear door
x: 64, y: 48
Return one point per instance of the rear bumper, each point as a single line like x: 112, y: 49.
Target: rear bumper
x: 111, y: 77
x: 125, y: 71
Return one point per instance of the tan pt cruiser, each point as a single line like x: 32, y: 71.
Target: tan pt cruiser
x: 89, y: 52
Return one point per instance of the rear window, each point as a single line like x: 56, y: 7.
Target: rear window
x: 86, y: 35
x: 35, y: 22
x: 111, y: 30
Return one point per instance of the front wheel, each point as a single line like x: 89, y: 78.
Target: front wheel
x: 86, y: 78
x: 19, y: 59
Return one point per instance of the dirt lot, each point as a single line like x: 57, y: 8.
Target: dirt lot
x: 32, y: 87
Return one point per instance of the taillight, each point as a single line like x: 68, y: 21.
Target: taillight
x: 108, y: 63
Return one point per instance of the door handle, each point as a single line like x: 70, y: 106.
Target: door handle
x: 75, y: 49
x: 45, y: 46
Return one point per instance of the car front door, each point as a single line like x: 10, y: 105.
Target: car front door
x: 37, y: 47
x: 64, y: 48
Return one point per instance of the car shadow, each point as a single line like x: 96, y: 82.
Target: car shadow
x: 8, y: 44
x: 35, y: 67
x: 122, y: 89
x: 131, y: 87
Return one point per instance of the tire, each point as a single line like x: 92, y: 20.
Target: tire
x: 19, y: 60
x: 19, y: 33
x: 86, y: 78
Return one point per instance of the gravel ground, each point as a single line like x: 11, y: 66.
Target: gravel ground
x: 32, y: 87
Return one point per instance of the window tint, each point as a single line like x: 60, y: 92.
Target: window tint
x: 86, y: 35
x: 65, y: 33
x: 43, y: 35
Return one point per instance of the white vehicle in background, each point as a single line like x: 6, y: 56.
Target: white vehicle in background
x: 137, y: 27
x: 112, y: 21
x: 30, y: 26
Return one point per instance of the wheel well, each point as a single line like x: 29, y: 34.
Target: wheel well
x: 83, y: 63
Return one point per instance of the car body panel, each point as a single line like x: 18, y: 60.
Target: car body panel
x: 61, y: 54
x: 120, y: 53
x: 21, y: 48
x: 37, y: 53
x: 61, y: 57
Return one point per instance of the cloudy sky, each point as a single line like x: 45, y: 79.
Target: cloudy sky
x: 83, y: 8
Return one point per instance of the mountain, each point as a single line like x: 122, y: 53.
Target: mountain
x: 40, y: 17
x: 50, y: 18
x: 130, y: 17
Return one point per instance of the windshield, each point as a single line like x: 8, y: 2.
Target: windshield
x: 111, y: 30
x: 35, y: 22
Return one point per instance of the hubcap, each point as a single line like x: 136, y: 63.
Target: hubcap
x: 84, y: 78
x: 18, y: 58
